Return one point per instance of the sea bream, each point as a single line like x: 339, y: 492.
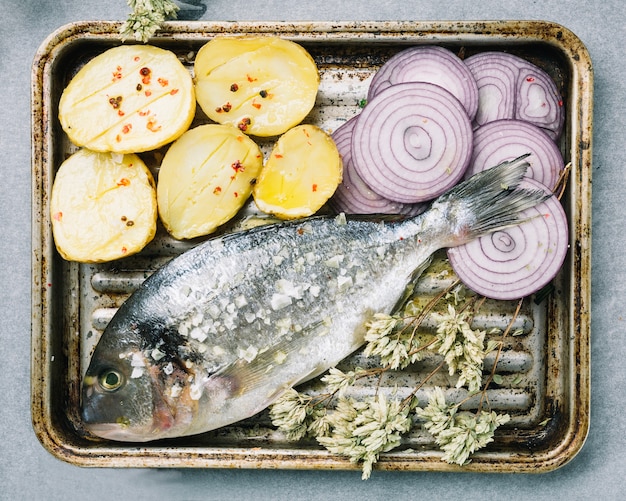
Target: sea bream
x: 218, y: 333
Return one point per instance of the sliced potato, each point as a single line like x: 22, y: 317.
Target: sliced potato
x: 128, y: 99
x: 103, y: 206
x: 205, y: 178
x: 263, y: 85
x: 300, y: 175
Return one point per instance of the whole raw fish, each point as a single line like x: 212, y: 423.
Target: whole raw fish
x: 217, y: 334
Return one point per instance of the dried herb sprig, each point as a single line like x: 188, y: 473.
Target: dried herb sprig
x: 462, y: 347
x: 393, y: 338
x: 363, y: 429
x: 458, y: 434
x: 358, y: 429
x: 146, y: 18
x: 299, y: 415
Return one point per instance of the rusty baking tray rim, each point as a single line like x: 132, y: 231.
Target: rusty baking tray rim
x: 54, y: 436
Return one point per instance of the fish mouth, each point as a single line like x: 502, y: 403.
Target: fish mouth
x: 120, y: 433
x: 121, y: 429
x: 103, y: 419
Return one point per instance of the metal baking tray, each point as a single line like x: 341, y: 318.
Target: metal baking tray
x: 544, y: 373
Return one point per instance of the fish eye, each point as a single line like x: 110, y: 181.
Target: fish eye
x: 110, y: 380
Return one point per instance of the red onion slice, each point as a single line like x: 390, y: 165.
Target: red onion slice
x: 432, y: 64
x: 496, y: 83
x: 518, y: 261
x: 412, y: 142
x: 511, y: 87
x: 538, y: 100
x: 353, y: 196
x: 504, y: 140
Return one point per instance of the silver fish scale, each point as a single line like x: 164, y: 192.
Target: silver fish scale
x: 323, y: 276
x: 521, y: 365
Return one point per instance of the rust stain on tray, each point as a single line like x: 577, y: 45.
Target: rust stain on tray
x: 72, y: 303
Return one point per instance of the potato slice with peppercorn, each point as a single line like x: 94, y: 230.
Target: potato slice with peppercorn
x: 205, y: 178
x: 301, y: 174
x: 128, y: 99
x: 103, y: 206
x: 264, y: 85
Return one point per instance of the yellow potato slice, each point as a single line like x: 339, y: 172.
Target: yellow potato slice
x: 300, y: 175
x: 263, y: 85
x: 128, y: 99
x: 102, y: 206
x: 205, y: 178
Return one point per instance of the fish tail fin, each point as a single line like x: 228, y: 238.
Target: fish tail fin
x: 490, y: 200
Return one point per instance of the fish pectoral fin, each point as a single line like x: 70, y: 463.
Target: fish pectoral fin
x: 417, y: 272
x: 314, y: 373
x: 249, y: 374
x: 410, y: 286
x: 295, y: 381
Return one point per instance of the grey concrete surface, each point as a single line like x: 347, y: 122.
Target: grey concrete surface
x: 28, y: 471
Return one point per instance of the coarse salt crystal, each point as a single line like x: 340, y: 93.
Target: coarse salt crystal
x: 229, y: 323
x: 300, y: 261
x: 183, y: 329
x: 197, y: 319
x: 344, y: 282
x: 137, y: 361
x: 195, y: 391
x: 280, y: 301
x: 334, y: 261
x: 157, y: 354
x: 240, y: 301
x: 288, y: 288
x: 249, y: 354
x: 199, y: 334
x: 214, y: 311
x: 284, y: 323
x: 341, y: 218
